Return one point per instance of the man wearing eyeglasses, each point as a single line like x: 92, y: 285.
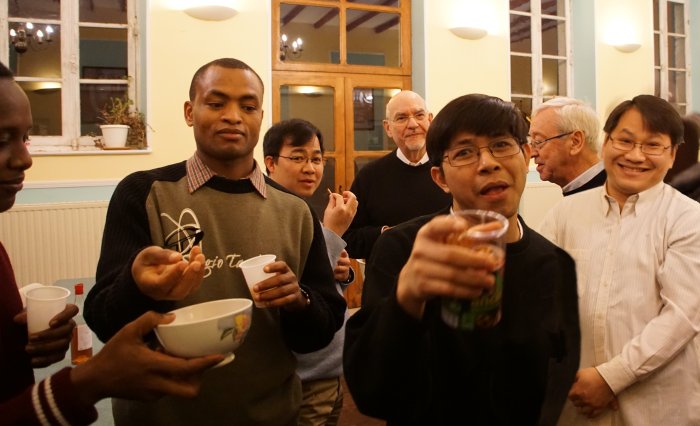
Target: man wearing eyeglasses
x: 564, y: 140
x: 402, y: 362
x: 636, y: 242
x: 293, y: 152
x: 396, y: 187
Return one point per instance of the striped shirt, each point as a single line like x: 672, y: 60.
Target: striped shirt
x: 639, y: 300
x: 199, y: 173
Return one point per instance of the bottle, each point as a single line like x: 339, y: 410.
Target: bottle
x: 81, y: 341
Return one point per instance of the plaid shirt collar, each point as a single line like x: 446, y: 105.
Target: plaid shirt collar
x: 198, y: 174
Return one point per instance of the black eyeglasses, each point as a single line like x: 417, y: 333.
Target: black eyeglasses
x: 176, y: 242
x: 537, y: 144
x: 302, y: 159
x: 467, y: 154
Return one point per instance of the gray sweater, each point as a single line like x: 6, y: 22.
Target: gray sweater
x: 326, y: 363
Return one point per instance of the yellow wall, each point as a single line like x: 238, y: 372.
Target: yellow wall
x: 177, y: 46
x: 455, y: 66
x: 621, y: 76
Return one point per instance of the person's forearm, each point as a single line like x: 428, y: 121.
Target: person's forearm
x: 53, y: 398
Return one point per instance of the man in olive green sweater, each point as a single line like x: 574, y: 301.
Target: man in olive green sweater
x: 219, y: 200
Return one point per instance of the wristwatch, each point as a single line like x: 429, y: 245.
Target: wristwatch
x: 351, y: 278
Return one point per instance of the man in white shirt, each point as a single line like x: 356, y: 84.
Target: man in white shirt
x: 636, y: 242
x: 564, y: 140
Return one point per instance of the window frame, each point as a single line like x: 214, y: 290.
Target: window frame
x: 536, y: 56
x: 70, y: 73
x: 663, y: 68
x: 403, y: 10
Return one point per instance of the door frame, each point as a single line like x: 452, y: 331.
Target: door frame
x: 343, y: 115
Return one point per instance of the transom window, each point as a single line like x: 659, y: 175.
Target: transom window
x: 671, y: 53
x: 540, y: 57
x: 70, y: 57
x: 361, y: 36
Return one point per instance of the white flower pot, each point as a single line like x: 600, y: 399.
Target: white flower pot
x: 114, y: 135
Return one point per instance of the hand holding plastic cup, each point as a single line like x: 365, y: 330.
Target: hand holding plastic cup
x: 253, y: 271
x: 485, y: 234
x: 44, y: 303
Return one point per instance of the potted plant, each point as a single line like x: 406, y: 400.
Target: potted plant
x: 124, y: 126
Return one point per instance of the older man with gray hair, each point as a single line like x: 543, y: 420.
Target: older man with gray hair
x: 564, y: 138
x: 396, y: 187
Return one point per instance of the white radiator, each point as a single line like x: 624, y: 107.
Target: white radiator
x: 49, y: 242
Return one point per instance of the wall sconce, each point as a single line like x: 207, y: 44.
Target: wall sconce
x: 44, y: 88
x: 469, y: 33
x: 293, y: 51
x: 25, y: 37
x: 622, y: 34
x: 627, y: 47
x: 211, y: 12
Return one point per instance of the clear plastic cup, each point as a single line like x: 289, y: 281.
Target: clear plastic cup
x: 486, y: 233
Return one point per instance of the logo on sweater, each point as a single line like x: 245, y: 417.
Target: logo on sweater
x: 187, y: 233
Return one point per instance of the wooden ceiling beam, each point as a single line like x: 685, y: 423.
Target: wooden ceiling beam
x: 367, y: 16
x: 361, y: 20
x: 386, y: 25
x: 292, y: 14
x: 325, y: 18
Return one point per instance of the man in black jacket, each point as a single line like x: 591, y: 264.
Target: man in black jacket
x: 402, y: 362
x: 396, y: 187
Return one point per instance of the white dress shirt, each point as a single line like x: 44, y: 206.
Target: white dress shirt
x: 638, y: 276
x: 584, y: 177
x: 405, y: 159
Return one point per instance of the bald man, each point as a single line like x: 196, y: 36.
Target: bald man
x: 398, y: 186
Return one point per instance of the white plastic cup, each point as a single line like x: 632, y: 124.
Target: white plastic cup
x: 253, y: 270
x: 44, y: 303
x: 23, y: 292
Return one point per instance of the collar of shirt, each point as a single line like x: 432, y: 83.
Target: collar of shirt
x: 636, y: 204
x: 403, y: 158
x: 583, y: 178
x: 199, y: 173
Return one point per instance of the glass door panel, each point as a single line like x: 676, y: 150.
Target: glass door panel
x: 349, y: 110
x: 312, y: 103
x: 374, y: 38
x: 366, y: 111
x: 369, y: 111
x: 314, y: 100
x: 309, y: 34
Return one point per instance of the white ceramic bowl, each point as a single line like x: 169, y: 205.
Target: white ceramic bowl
x: 216, y: 327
